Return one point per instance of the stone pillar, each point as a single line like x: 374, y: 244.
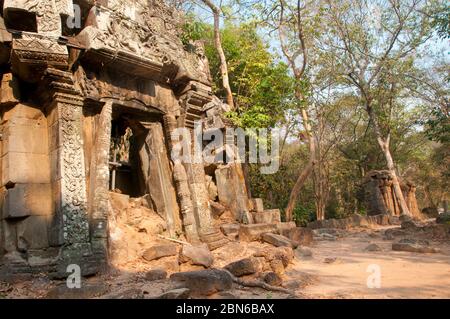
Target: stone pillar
x: 158, y: 178
x: 181, y: 185
x: 70, y: 227
x: 100, y: 184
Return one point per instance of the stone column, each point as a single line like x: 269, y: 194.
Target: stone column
x: 70, y: 227
x: 100, y: 183
x: 181, y: 185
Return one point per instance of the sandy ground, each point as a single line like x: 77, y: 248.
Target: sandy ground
x: 403, y: 274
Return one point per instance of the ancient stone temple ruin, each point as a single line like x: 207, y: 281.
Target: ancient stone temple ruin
x: 90, y: 93
x: 380, y: 197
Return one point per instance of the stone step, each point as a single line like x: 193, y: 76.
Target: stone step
x: 214, y: 239
x: 267, y: 216
x: 217, y: 244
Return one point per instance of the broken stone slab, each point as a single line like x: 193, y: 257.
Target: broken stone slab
x: 230, y: 229
x: 197, y: 255
x: 244, y: 267
x: 160, y: 251
x: 278, y: 240
x: 255, y: 231
x: 414, y: 248
x: 156, y: 274
x: 204, y: 282
x: 373, y: 247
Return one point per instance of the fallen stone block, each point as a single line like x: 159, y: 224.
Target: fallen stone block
x: 230, y: 229
x: 244, y: 267
x: 373, y: 247
x: 197, y: 255
x: 160, y: 251
x: 285, y: 228
x: 156, y: 274
x: 414, y: 248
x: 301, y: 235
x: 204, y: 282
x: 255, y: 231
x: 278, y: 240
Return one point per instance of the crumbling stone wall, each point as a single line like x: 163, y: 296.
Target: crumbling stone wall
x: 380, y: 197
x: 62, y: 86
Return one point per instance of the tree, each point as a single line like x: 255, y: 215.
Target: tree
x: 374, y: 57
x: 223, y: 61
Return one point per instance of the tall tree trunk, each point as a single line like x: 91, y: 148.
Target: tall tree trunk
x: 306, y: 170
x: 223, y: 61
x: 384, y: 145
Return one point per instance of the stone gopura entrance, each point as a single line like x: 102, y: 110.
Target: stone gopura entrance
x: 90, y: 108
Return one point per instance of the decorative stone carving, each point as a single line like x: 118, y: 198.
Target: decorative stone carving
x: 48, y: 13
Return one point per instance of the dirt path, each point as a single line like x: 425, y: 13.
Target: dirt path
x: 403, y: 274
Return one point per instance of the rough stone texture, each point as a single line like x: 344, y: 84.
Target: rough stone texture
x: 197, y: 255
x: 232, y: 191
x: 243, y: 267
x: 380, y: 197
x: 204, y: 282
x: 230, y: 229
x: 156, y: 274
x: 160, y: 251
x: 271, y: 278
x: 129, y: 67
x: 255, y: 231
x: 300, y: 235
x: 157, y: 175
x: 278, y: 240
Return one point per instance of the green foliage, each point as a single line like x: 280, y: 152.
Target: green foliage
x: 304, y: 214
x: 261, y: 85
